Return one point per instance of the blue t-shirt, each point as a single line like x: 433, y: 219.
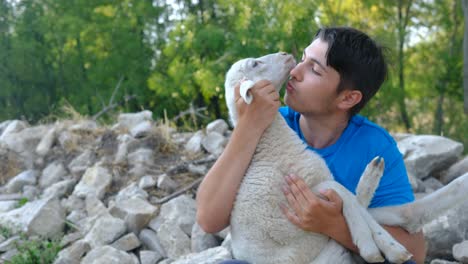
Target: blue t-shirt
x: 347, y: 158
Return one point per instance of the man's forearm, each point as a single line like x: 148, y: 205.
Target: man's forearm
x: 217, y: 192
x: 414, y: 243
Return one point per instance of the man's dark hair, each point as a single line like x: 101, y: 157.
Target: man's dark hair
x: 357, y: 58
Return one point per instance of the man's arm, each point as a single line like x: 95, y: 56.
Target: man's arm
x: 217, y: 192
x: 314, y: 214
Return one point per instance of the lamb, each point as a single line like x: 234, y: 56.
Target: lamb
x: 261, y: 234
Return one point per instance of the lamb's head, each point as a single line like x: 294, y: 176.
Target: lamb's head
x: 273, y: 67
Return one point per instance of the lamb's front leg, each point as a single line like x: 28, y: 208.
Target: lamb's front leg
x: 365, y: 231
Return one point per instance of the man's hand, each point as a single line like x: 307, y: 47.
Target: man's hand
x: 318, y: 213
x: 263, y: 109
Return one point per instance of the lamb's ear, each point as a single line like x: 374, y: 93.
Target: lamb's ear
x: 245, y: 86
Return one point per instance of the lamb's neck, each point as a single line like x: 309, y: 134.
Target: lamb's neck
x: 279, y: 137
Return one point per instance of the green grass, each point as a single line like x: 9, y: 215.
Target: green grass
x: 36, y: 252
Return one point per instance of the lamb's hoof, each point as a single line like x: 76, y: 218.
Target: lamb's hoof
x: 377, y: 166
x: 371, y: 254
x: 396, y: 253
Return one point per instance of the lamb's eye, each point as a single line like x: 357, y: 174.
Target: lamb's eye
x: 255, y: 63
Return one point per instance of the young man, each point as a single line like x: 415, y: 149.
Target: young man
x: 340, y: 71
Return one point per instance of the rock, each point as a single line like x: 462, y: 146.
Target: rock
x: 44, y: 146
x: 84, y: 126
x: 456, y: 170
x: 107, y: 255
x: 442, y: 261
x: 460, y: 251
x: 219, y: 126
x: 214, y: 143
x: 13, y: 127
x: 149, y: 257
x: 95, y: 181
x: 445, y: 231
x: 210, y: 256
x: 194, y: 145
x: 175, y: 242
x: 197, y: 169
x: 425, y: 154
x: 73, y: 253
x: 70, y: 238
x: 81, y: 163
x: 130, y: 120
x: 140, y: 157
x: 131, y: 191
x: 141, y: 129
x: 6, y: 206
x: 200, y: 240
x: 17, y: 183
x: 135, y: 212
x: 52, y: 173
x: 59, y: 189
x: 180, y: 211
x: 9, y: 244
x: 432, y: 184
x: 166, y: 183
x: 147, y: 182
x: 105, y: 231
x: 94, y: 206
x: 150, y: 240
x: 127, y: 243
x: 34, y: 218
x: 30, y: 192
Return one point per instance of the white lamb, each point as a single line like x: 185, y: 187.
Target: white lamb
x: 260, y: 232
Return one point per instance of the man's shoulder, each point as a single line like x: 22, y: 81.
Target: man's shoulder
x: 370, y: 131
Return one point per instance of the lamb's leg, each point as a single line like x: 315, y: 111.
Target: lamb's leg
x: 369, y: 181
x: 367, y: 235
x: 414, y: 215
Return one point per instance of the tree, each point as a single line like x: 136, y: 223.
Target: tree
x: 465, y: 55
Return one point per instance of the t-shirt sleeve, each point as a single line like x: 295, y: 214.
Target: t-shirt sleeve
x: 394, y: 187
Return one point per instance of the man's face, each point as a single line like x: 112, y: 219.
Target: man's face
x: 313, y: 84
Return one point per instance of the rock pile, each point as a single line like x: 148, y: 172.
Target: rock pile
x: 125, y: 193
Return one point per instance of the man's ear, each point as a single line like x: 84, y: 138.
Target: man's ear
x: 349, y: 98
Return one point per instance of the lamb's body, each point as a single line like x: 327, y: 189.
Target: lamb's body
x: 266, y: 236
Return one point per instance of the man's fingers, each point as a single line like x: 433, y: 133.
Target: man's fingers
x: 237, y: 92
x: 308, y: 197
x: 292, y: 217
x: 292, y: 200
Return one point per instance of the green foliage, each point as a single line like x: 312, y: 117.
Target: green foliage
x: 172, y: 57
x: 36, y: 252
x: 5, y: 232
x: 22, y: 202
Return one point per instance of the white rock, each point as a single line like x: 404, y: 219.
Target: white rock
x: 107, y: 255
x: 6, y: 206
x: 95, y: 181
x: 135, y: 212
x: 149, y: 257
x: 46, y: 142
x: 200, y: 240
x: 150, y: 239
x: 460, y: 251
x: 456, y: 170
x: 175, y: 242
x: 166, y: 183
x: 180, y: 211
x: 147, y: 182
x: 53, y: 173
x: 220, y: 126
x: 82, y: 162
x: 131, y: 191
x: 126, y: 243
x: 60, y: 189
x: 43, y: 217
x: 17, y: 183
x: 105, y: 231
x: 194, y: 145
x: 425, y: 154
x: 14, y: 126
x: 142, y: 129
x: 214, y: 143
x: 130, y: 120
x: 73, y: 253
